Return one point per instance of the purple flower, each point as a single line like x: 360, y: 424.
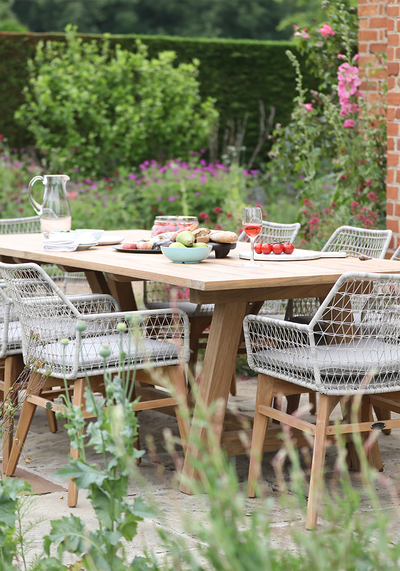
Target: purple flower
x: 203, y: 178
x: 113, y: 198
x: 171, y: 198
x: 245, y: 173
x: 203, y: 162
x: 97, y: 195
x: 192, y: 153
x: 159, y: 180
x: 77, y: 170
x: 162, y: 169
x: 197, y: 193
x: 159, y: 198
x: 131, y: 175
x: 202, y: 151
x: 143, y: 167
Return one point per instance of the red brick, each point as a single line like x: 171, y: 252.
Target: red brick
x: 397, y: 210
x: 377, y: 23
x: 390, y: 54
x: 392, y: 129
x: 395, y: 172
x: 393, y: 99
x: 397, y: 56
x: 392, y: 192
x: 368, y: 36
x: 389, y: 209
x: 393, y: 39
x: 391, y: 83
x: 369, y: 10
x: 390, y: 144
x: 378, y: 48
x: 392, y: 159
x: 390, y: 176
x: 392, y: 11
x: 392, y: 68
x: 392, y: 225
x: 390, y: 114
x: 397, y: 113
x: 390, y: 25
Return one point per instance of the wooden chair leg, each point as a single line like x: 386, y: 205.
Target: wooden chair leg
x: 313, y: 402
x: 293, y: 402
x: 233, y: 389
x: 318, y: 461
x: 52, y: 421
x: 79, y: 399
x: 265, y: 387
x: 383, y: 414
x: 374, y: 453
x: 13, y: 366
x: 178, y: 381
x: 25, y: 420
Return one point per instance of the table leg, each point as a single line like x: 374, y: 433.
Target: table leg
x: 219, y: 361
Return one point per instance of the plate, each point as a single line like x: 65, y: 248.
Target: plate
x: 296, y: 256
x: 120, y: 249
x: 110, y: 240
x: 86, y: 246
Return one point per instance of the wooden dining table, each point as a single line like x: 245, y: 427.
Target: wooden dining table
x: 234, y: 289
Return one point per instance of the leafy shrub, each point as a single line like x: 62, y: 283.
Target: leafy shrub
x: 98, y: 110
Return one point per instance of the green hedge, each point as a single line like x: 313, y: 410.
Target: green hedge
x: 236, y: 72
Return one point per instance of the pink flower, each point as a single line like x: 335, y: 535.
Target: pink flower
x: 218, y: 227
x: 308, y: 106
x: 368, y: 182
x: 348, y: 124
x: 356, y: 57
x: 72, y: 195
x: 302, y: 34
x: 217, y: 209
x: 294, y: 27
x: 204, y: 216
x: 327, y: 210
x: 326, y: 30
x: 368, y: 223
x: 333, y: 204
x: 341, y: 56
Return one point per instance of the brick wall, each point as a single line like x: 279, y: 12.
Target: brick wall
x: 380, y: 33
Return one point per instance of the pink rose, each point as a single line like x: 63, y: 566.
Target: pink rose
x: 326, y: 30
x: 356, y: 57
x: 308, y: 106
x: 341, y: 56
x: 348, y: 124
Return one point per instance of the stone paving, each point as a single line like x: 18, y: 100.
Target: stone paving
x: 49, y: 452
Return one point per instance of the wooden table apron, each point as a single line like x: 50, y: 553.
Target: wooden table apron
x: 225, y: 282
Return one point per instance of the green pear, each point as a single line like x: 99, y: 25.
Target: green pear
x: 200, y: 245
x: 177, y: 245
x: 186, y: 238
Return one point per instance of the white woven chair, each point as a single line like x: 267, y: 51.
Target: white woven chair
x: 334, y: 357
x: 396, y: 256
x: 356, y: 242
x: 159, y: 341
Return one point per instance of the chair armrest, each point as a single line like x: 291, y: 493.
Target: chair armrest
x: 94, y: 303
x: 271, y: 342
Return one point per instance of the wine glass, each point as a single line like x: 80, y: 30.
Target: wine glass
x: 252, y: 224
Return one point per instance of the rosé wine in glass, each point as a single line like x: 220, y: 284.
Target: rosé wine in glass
x: 252, y: 224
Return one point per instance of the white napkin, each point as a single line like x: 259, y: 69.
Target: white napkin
x: 60, y: 245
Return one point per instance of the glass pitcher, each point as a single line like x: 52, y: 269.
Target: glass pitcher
x: 54, y: 212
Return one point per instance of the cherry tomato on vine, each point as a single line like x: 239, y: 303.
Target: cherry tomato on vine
x: 257, y: 248
x: 288, y: 248
x: 266, y: 248
x: 277, y: 248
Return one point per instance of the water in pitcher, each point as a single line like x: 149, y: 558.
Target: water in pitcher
x: 51, y: 223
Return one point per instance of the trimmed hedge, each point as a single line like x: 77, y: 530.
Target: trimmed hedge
x: 236, y: 72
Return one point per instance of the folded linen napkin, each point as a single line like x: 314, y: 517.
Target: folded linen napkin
x: 60, y: 245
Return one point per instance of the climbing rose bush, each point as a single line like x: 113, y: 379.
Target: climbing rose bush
x: 334, y: 149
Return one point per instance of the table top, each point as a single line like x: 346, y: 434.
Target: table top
x: 211, y: 275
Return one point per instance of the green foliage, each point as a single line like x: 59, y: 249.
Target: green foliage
x: 192, y: 18
x: 9, y: 500
x: 235, y: 73
x: 101, y: 111
x: 333, y: 150
x: 8, y: 21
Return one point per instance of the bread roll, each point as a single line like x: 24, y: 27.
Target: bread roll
x: 223, y: 237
